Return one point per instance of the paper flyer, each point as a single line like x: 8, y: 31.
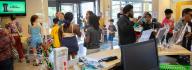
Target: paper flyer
x: 145, y: 35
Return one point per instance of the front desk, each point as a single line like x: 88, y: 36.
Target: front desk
x: 174, y: 50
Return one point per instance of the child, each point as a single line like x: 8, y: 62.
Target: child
x: 105, y: 33
x: 112, y: 29
x: 54, y: 33
x: 36, y: 38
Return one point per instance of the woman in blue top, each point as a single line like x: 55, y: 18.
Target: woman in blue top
x: 36, y: 39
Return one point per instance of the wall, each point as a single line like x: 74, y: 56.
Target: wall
x: 178, y: 6
x: 163, y: 4
x: 105, y: 6
x: 39, y: 7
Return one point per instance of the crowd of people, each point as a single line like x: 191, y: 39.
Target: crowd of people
x: 65, y: 32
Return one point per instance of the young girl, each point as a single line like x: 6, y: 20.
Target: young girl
x: 36, y: 38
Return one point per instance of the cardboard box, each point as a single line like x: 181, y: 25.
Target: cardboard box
x: 60, y: 58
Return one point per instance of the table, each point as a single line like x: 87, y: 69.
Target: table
x: 174, y: 50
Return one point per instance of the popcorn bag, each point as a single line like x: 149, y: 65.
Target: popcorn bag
x: 60, y: 58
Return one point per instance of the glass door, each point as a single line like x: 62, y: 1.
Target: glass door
x: 87, y: 6
x: 70, y: 7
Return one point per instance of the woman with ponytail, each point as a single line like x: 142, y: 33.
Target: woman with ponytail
x: 67, y: 35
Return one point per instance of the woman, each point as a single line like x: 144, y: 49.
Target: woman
x: 36, y: 38
x: 6, y: 61
x: 93, y: 35
x: 89, y: 13
x: 67, y: 35
x: 16, y: 30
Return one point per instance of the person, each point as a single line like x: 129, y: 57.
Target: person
x: 93, y: 35
x: 67, y: 35
x: 61, y: 19
x: 57, y: 14
x: 125, y: 27
x: 112, y: 29
x: 168, y: 21
x: 54, y: 33
x: 148, y: 24
x: 120, y: 13
x: 142, y: 19
x: 86, y: 24
x: 156, y: 24
x: 104, y: 32
x: 16, y: 31
x: 6, y: 41
x: 187, y: 39
x: 35, y: 33
x: 101, y: 20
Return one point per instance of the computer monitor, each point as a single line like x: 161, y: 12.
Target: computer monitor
x: 160, y: 35
x: 140, y: 56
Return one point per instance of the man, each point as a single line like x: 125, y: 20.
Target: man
x: 125, y: 27
x: 142, y: 19
x: 186, y: 18
x: 61, y: 19
x: 6, y: 62
x: 187, y: 39
x: 148, y: 24
x: 168, y: 21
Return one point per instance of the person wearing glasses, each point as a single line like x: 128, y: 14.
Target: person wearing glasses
x: 187, y: 39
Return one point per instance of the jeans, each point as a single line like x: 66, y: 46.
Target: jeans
x: 6, y: 64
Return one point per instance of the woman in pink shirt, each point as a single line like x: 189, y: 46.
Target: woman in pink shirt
x: 168, y: 21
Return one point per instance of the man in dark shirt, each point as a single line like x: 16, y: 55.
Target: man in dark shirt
x: 148, y: 24
x: 125, y: 27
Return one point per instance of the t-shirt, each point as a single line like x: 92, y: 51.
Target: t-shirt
x: 147, y: 26
x: 168, y: 22
x: 113, y: 29
x: 95, y: 36
x: 55, y: 36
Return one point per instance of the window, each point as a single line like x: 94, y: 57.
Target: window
x: 66, y: 8
x: 87, y: 6
x: 115, y: 9
x: 51, y: 11
x: 147, y: 7
x: 139, y: 7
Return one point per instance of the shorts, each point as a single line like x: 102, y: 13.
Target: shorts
x: 110, y: 38
x: 105, y: 38
x: 35, y: 42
